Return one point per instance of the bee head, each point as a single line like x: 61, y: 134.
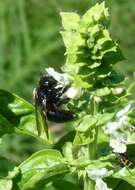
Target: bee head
x: 47, y: 82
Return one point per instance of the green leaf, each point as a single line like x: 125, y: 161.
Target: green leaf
x: 95, y: 64
x: 72, y: 41
x: 96, y: 13
x: 105, y: 37
x: 80, y: 82
x: 104, y: 118
x: 41, y: 168
x: 101, y: 92
x: 14, y: 173
x: 103, y: 71
x: 118, y: 91
x: 126, y: 175
x: 88, y: 41
x: 118, y: 184
x: 5, y: 126
x: 68, y: 137
x: 99, y: 164
x: 86, y: 123
x: 113, y: 57
x: 66, y: 184
x: 17, y: 115
x: 68, y: 151
x: 69, y: 181
x: 43, y: 158
x: 70, y: 21
x: 37, y: 179
x: 113, y: 79
x: 5, y: 184
x: 94, y: 31
x: 84, y: 138
x: 5, y: 166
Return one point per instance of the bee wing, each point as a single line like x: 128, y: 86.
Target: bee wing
x: 44, y: 120
x: 41, y: 119
x: 37, y: 119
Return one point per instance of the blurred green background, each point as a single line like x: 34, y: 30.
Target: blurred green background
x: 30, y: 40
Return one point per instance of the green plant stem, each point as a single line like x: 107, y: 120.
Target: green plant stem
x: 88, y: 184
x: 92, y: 147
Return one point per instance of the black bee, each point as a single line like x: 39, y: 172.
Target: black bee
x: 124, y: 160
x: 49, y: 96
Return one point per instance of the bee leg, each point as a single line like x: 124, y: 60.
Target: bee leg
x: 63, y: 100
x: 65, y: 89
x: 61, y: 91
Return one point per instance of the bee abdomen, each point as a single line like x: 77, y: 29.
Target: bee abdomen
x: 60, y: 116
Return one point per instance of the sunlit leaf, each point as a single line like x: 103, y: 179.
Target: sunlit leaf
x: 104, y: 118
x: 66, y: 21
x: 96, y: 13
x: 83, y: 138
x: 87, y: 122
x: 17, y: 115
x: 5, y: 184
x: 101, y: 92
x: 41, y: 168
x: 67, y: 151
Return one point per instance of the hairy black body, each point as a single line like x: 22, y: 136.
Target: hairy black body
x: 49, y: 97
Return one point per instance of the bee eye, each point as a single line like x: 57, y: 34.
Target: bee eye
x: 48, y: 81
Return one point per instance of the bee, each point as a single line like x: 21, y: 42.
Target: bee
x: 49, y: 96
x: 124, y: 160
